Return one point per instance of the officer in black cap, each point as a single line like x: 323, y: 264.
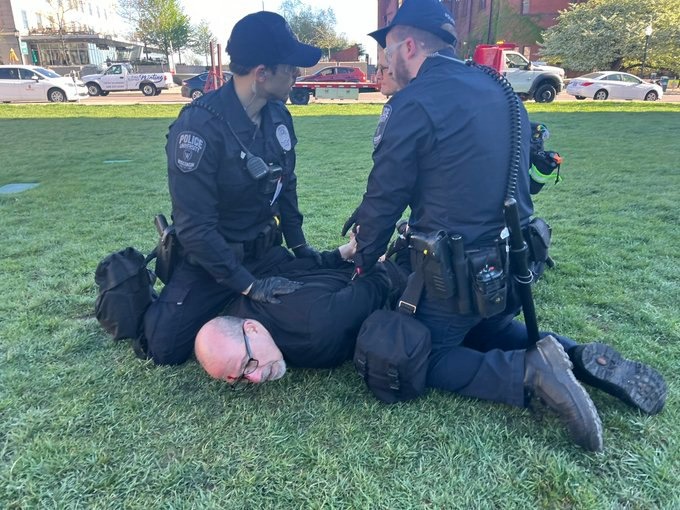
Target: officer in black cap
x: 231, y: 162
x: 442, y: 147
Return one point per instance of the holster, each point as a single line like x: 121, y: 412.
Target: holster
x: 538, y: 236
x: 265, y: 240
x: 167, y: 250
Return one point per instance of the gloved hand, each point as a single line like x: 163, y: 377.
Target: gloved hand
x: 266, y: 289
x: 307, y: 252
x: 350, y: 221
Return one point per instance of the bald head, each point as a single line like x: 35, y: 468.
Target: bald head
x: 220, y: 348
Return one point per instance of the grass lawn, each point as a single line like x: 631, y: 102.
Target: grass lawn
x: 84, y: 424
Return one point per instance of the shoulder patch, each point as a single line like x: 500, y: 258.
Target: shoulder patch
x: 189, y: 150
x: 382, y: 123
x: 283, y: 136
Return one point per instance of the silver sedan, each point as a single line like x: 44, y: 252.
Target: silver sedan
x: 613, y: 85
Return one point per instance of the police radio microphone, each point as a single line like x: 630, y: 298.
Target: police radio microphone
x: 255, y: 165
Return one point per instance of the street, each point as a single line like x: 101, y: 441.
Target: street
x: 174, y: 96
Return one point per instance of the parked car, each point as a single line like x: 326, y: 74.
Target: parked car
x: 37, y: 84
x: 193, y: 87
x: 336, y: 73
x: 613, y: 85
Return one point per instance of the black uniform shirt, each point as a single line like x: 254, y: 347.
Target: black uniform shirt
x: 442, y: 147
x: 214, y: 199
x: 317, y: 325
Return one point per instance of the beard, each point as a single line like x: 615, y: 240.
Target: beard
x: 400, y: 72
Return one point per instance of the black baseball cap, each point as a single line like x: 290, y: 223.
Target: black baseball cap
x: 266, y: 38
x: 428, y: 15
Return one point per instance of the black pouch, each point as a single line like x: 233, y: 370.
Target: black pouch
x: 488, y: 280
x: 168, y: 249
x: 537, y: 235
x: 391, y: 355
x: 125, y: 292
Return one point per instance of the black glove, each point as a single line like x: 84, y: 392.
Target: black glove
x: 266, y: 289
x: 307, y: 252
x: 350, y: 221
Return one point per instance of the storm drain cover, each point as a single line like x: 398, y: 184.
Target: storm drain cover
x: 17, y: 187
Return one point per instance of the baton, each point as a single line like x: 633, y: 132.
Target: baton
x: 519, y: 266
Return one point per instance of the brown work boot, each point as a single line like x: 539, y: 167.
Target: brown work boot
x: 637, y: 384
x: 548, y: 375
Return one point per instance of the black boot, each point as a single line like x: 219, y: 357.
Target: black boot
x: 635, y: 383
x: 548, y: 375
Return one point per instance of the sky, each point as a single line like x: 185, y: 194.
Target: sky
x: 355, y: 18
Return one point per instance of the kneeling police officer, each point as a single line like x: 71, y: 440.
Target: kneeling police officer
x: 443, y: 147
x: 231, y: 162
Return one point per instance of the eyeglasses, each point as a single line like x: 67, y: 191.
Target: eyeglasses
x: 381, y: 69
x: 250, y: 366
x: 390, y: 49
x: 288, y: 69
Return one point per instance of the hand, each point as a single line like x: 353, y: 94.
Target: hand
x: 349, y: 249
x: 350, y: 221
x: 307, y: 252
x: 266, y: 289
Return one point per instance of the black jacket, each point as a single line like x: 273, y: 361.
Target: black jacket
x: 442, y: 147
x: 214, y: 198
x: 317, y: 325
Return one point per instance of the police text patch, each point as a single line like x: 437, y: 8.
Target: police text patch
x: 189, y: 151
x: 382, y: 123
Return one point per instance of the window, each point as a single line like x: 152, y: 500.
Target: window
x: 27, y: 74
x: 24, y: 18
x: 89, y: 6
x: 513, y: 60
x: 631, y: 79
x: 8, y: 73
x: 38, y: 20
x: 526, y: 7
x: 482, y: 5
x: 612, y: 77
x: 98, y: 14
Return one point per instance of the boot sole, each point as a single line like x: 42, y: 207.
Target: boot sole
x: 555, y: 355
x: 635, y: 383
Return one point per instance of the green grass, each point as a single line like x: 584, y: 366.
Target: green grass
x: 84, y: 424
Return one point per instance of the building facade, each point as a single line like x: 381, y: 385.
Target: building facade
x: 488, y: 21
x: 71, y: 33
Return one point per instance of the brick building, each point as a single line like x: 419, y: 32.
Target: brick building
x: 488, y: 21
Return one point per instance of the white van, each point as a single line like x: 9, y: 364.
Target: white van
x: 37, y: 84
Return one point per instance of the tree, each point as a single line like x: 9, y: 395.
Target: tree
x: 160, y: 23
x: 200, y: 39
x: 313, y: 26
x: 57, y: 20
x: 610, y: 35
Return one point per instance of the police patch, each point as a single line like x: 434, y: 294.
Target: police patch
x: 189, y: 151
x: 283, y: 136
x: 382, y: 123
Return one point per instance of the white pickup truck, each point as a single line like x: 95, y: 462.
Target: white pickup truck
x: 528, y: 80
x: 122, y: 77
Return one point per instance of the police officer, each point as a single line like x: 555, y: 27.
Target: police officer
x: 231, y: 161
x: 442, y: 147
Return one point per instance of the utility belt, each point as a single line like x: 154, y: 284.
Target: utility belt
x: 169, y: 250
x: 474, y: 280
x: 255, y: 249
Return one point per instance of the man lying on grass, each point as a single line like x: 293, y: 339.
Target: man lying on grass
x: 316, y: 327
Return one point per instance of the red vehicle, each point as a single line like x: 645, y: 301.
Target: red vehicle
x: 334, y: 82
x: 336, y: 73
